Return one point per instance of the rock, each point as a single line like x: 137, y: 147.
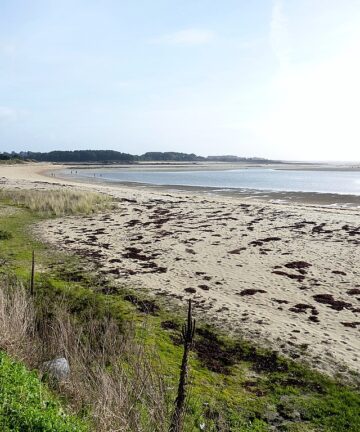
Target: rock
x: 58, y: 369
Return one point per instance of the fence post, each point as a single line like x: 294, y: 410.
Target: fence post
x: 188, y: 332
x: 32, y: 274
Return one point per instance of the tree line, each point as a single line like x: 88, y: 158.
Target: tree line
x: 112, y: 156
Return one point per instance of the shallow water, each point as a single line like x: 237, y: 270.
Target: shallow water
x: 340, y: 182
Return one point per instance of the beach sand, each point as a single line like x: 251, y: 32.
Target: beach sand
x: 284, y: 275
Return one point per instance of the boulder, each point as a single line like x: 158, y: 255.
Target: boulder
x: 58, y: 368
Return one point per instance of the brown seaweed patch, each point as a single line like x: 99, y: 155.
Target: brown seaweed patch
x: 237, y: 251
x: 329, y: 300
x: 115, y: 260
x: 353, y: 291
x: 250, y: 291
x: 134, y: 253
x: 279, y: 301
x: 190, y: 290
x: 297, y: 265
x: 351, y: 324
x: 303, y: 308
x: 260, y: 242
x: 300, y: 308
x: 297, y: 277
x: 133, y: 222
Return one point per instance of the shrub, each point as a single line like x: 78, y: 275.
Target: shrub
x: 5, y: 235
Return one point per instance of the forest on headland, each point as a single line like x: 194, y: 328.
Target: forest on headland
x: 112, y: 156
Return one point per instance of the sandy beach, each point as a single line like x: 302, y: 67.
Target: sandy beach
x: 284, y: 275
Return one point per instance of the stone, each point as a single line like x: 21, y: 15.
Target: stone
x: 58, y: 368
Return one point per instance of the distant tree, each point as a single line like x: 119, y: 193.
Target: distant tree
x: 82, y: 156
x: 106, y: 156
x: 170, y: 156
x: 8, y: 156
x: 112, y: 156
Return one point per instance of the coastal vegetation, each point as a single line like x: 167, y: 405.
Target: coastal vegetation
x: 111, y: 156
x: 125, y: 351
x: 111, y: 373
x: 26, y: 404
x: 57, y: 202
x: 8, y: 160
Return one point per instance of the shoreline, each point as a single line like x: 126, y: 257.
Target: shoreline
x: 42, y: 172
x: 216, y: 166
x: 341, y: 200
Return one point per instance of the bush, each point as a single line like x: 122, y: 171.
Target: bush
x: 5, y: 235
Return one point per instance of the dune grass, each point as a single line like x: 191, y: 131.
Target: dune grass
x: 12, y: 161
x: 58, y: 202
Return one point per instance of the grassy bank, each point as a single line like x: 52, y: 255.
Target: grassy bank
x: 235, y: 386
x: 26, y: 404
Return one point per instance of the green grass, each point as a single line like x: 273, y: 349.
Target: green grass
x: 256, y: 389
x: 26, y: 405
x: 15, y: 252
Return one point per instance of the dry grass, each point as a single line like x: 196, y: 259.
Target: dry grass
x: 113, y: 377
x: 17, y: 318
x: 58, y: 202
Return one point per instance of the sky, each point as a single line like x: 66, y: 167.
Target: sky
x: 269, y: 78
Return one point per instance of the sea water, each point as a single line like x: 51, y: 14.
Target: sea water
x: 263, y: 179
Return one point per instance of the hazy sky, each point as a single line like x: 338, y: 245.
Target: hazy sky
x: 279, y: 79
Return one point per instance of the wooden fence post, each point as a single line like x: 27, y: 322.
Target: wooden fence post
x: 188, y: 332
x: 32, y: 274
